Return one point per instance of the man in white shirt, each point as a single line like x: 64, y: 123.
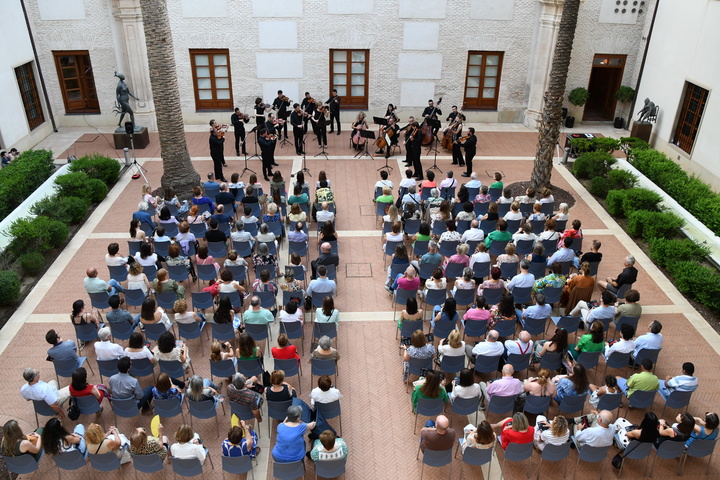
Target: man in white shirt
x: 650, y: 341
x: 325, y: 215
x: 521, y: 346
x: 599, y: 433
x: 523, y: 279
x: 105, y: 349
x: 408, y: 181
x: 474, y: 234
x: 449, y: 182
x: 624, y: 345
x: 412, y: 196
x: 36, y: 389
x: 384, y: 182
x: 325, y: 392
x: 474, y: 182
x: 490, y: 347
x: 687, y: 382
x: 563, y: 254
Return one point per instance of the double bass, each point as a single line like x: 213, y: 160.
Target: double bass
x: 427, y: 129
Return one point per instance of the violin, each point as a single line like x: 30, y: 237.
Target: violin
x: 462, y: 139
x: 411, y: 136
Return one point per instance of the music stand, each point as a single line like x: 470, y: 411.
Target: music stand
x: 380, y: 121
x: 367, y: 135
x: 434, y: 123
x: 254, y: 130
x: 284, y: 141
x: 304, y: 167
x: 322, y: 148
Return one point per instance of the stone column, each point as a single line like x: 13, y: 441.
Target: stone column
x: 542, y: 56
x: 129, y: 16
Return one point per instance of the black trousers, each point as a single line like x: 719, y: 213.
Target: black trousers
x: 468, y: 161
x: 321, y: 135
x: 218, y: 160
x: 267, y: 161
x: 298, y: 133
x: 240, y: 135
x: 334, y: 116
x: 457, y: 154
x: 415, y: 156
x: 282, y: 128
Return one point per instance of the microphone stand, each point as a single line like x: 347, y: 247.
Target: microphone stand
x: 246, y: 169
x: 434, y: 165
x: 304, y: 165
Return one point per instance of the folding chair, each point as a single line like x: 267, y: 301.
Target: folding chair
x: 23, y: 464
x: 277, y: 411
x: 204, y: 410
x: 289, y: 471
x: 42, y: 408
x: 487, y: 364
x: 291, y: 369
x: 536, y: 404
x: 636, y: 451
x: 518, y: 452
x: 168, y: 408
x: 237, y: 465
x: 610, y: 402
x: 436, y: 458
x: 107, y: 368
x: 118, y: 273
x: 189, y: 467
x: 294, y: 331
x: 476, y: 457
x: 699, y: 448
x: 330, y: 468
x: 668, y: 451
x: 428, y: 407
x: 466, y: 406
x: 72, y: 460
x: 330, y: 410
x: 105, y: 462
x: 572, y: 403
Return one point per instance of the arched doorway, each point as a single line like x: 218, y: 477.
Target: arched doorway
x: 605, y: 79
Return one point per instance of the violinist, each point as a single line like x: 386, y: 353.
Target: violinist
x: 308, y: 106
x: 273, y: 127
x: 432, y: 112
x: 267, y: 149
x: 260, y: 108
x: 359, y: 124
x: 414, y: 146
x: 217, y: 146
x: 296, y: 118
x: 469, y: 143
x: 281, y: 104
x: 409, y: 131
x: 458, y: 158
x: 320, y: 125
x: 388, y: 133
x: 220, y: 131
x: 237, y: 120
x: 334, y: 104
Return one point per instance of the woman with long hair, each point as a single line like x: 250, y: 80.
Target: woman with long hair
x: 555, y: 432
x: 16, y: 443
x: 505, y: 310
x: 136, y: 233
x: 225, y: 313
x: 247, y: 349
x: 611, y: 386
x: 576, y: 383
x: 541, y: 385
x: 481, y: 437
x: 163, y: 283
x: 55, y: 439
x: 679, y: 431
x: 201, y: 389
x: 593, y: 341
x: 410, y: 313
x: 430, y: 389
x: 80, y: 317
x: 327, y: 313
x: 79, y: 387
x: 448, y: 313
x: 557, y: 343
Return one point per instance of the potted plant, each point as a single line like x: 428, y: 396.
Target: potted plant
x: 578, y: 97
x: 624, y: 95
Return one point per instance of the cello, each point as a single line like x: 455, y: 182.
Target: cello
x: 358, y: 140
x: 427, y: 129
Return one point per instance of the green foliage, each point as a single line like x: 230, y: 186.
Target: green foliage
x: 692, y: 193
x: 605, y: 144
x: 629, y: 145
x: 621, y: 179
x: 625, y: 94
x: 646, y: 224
x: 96, y: 166
x: 593, y: 164
x: 32, y: 263
x: 599, y: 187
x: 37, y: 234
x: 614, y: 202
x: 66, y: 209
x: 73, y: 185
x: 578, y: 96
x: 21, y: 177
x: 9, y: 287
x: 698, y: 281
x: 97, y: 190
x: 640, y: 199
x: 664, y: 251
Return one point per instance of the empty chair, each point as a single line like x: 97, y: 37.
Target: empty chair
x: 699, y: 448
x: 591, y: 455
x: 289, y: 471
x: 667, y: 450
x: 436, y: 458
x: 555, y: 453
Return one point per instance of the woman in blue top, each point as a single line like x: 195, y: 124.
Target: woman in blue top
x: 241, y: 442
x: 706, y: 429
x: 448, y: 313
x: 290, y: 444
x: 576, y: 383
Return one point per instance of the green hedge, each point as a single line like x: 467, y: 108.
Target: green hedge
x: 9, y: 287
x: 700, y: 282
x: 665, y: 251
x: 37, y: 234
x: 648, y: 225
x: 692, y: 193
x: 96, y: 166
x: 599, y: 186
x: 621, y: 202
x: 593, y: 164
x: 22, y: 177
x: 66, y: 209
x: 32, y: 263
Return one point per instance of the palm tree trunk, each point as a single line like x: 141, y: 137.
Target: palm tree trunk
x: 551, y: 117
x: 178, y: 170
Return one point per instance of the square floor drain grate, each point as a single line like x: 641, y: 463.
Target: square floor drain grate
x: 358, y: 270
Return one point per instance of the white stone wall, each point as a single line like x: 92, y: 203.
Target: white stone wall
x: 418, y: 49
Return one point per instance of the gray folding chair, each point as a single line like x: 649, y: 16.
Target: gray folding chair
x: 277, y: 411
x: 330, y: 410
x: 636, y: 451
x: 476, y: 457
x: 487, y: 364
x: 237, y: 465
x: 104, y: 462
x: 551, y: 360
x: 572, y: 403
x: 168, y: 408
x: 204, y: 410
x: 641, y: 399
x: 501, y: 403
x: 147, y: 463
x: 42, y: 408
x: 72, y: 460
x: 291, y: 367
x: 330, y: 468
x: 617, y: 360
x: 518, y: 452
x: 428, y: 407
x: 23, y: 464
x: 189, y: 467
x: 699, y: 448
x: 676, y: 399
x: 668, y: 450
x: 466, y: 406
x: 289, y: 471
x: 436, y: 458
x: 536, y: 404
x: 591, y: 455
x: 555, y: 453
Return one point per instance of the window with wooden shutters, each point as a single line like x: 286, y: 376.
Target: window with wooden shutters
x: 349, y: 75
x: 691, y: 111
x: 77, y: 82
x: 482, y: 80
x: 211, y: 79
x: 29, y: 94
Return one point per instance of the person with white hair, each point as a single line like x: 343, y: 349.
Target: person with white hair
x: 325, y: 350
x: 238, y: 391
x: 627, y: 276
x: 105, y: 349
x: 143, y: 214
x: 474, y: 182
x: 598, y: 433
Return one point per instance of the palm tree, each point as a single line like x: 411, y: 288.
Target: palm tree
x: 551, y: 117
x: 178, y: 170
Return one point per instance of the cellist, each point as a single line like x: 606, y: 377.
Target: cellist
x: 359, y: 124
x: 457, y: 154
x: 388, y: 131
x: 431, y: 112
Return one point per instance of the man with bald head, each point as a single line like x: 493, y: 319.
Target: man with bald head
x: 437, y: 435
x: 473, y: 234
x: 489, y: 348
x: 224, y: 197
x: 523, y: 344
x: 598, y: 433
x: 326, y: 258
x: 93, y: 284
x: 505, y: 386
x: 325, y: 215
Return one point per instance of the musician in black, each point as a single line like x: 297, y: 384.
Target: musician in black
x: 273, y: 127
x: 320, y: 126
x: 385, y: 132
x: 281, y: 104
x: 237, y: 120
x: 334, y: 103
x: 308, y: 106
x: 456, y: 133
x: 408, y: 132
x: 267, y: 149
x: 432, y: 112
x: 454, y: 113
x: 217, y: 146
x: 470, y: 145
x: 414, y: 148
x: 259, y: 112
x: 296, y: 118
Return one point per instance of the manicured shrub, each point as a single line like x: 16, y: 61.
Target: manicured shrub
x: 9, y: 287
x: 647, y: 225
x: 632, y: 144
x: 97, y: 190
x: 698, y: 281
x: 599, y: 187
x: 57, y: 233
x: 605, y: 144
x: 73, y: 185
x: 37, y: 234
x: 593, y: 164
x: 640, y: 199
x: 32, y: 263
x: 96, y: 166
x: 66, y: 209
x: 664, y: 251
x: 614, y: 202
x: 22, y: 177
x: 620, y: 179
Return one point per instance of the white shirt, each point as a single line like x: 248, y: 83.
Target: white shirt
x: 513, y: 215
x: 149, y: 261
x: 473, y: 391
x: 188, y: 450
x: 187, y: 317
x: 108, y: 350
x: 473, y: 234
x: 595, y: 436
x: 144, y: 353
x: 317, y: 395
x: 387, y: 183
x: 474, y: 184
x: 114, y: 261
x: 407, y: 182
x: 448, y: 183
x: 648, y: 341
x: 521, y: 280
x: 523, y: 236
x: 518, y: 347
x: 39, y: 391
x: 480, y: 257
x: 325, y: 216
x: 622, y: 346
x: 452, y: 352
x: 489, y: 349
x: 287, y: 317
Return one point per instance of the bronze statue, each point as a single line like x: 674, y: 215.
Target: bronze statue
x: 647, y: 112
x: 123, y: 94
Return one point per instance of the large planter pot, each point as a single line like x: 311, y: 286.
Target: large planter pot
x: 619, y: 122
x: 569, y: 122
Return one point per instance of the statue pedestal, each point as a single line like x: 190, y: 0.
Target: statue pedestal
x: 141, y: 139
x: 641, y: 131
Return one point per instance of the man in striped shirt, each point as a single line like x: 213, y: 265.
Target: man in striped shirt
x: 687, y: 382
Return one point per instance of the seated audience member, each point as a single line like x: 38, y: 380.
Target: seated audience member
x: 481, y: 437
x: 540, y: 386
x: 328, y: 447
x: 504, y: 386
x: 624, y: 345
x: 324, y: 350
x: 326, y: 257
x: 79, y: 387
x: 168, y: 349
x: 593, y: 255
x: 593, y: 341
x: 285, y: 350
x: 238, y: 391
x: 576, y: 383
x: 279, y: 390
x: 604, y: 311
x: 164, y: 389
x: 610, y: 386
x: 99, y: 442
x: 477, y: 312
x: 419, y: 348
x: 291, y: 445
x: 500, y: 234
x: 465, y: 386
x: 631, y: 307
x: 563, y: 254
x: 627, y: 277
x: 93, y: 284
x: 437, y: 435
x: 480, y: 256
x: 549, y: 233
x: 644, y: 380
x: 599, y: 432
x: 118, y: 315
x: 327, y: 313
x: 558, y: 343
x: 429, y: 389
x: 123, y: 386
x: 36, y: 389
x: 247, y: 348
x: 56, y: 439
x: 555, y: 432
x: 687, y: 382
x: 646, y: 432
x: 515, y: 429
x: 325, y: 392
x: 539, y: 311
x: 113, y: 258
x: 188, y: 445
x: 520, y: 346
x: 16, y: 443
x: 680, y: 431
x: 705, y: 428
x: 257, y: 314
x: 298, y: 234
x: 321, y: 284
x: 555, y: 279
x: 105, y: 349
x: 60, y: 350
x: 491, y: 347
x: 241, y: 441
x: 652, y: 340
x: 136, y: 348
